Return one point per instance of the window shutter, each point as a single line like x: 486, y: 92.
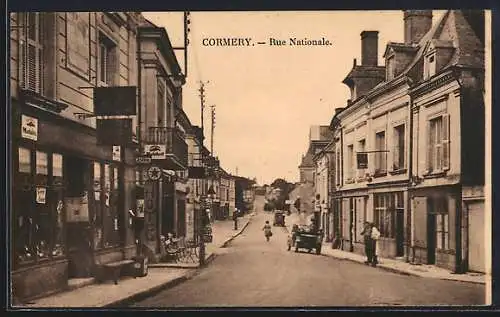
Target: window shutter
x: 22, y: 22
x: 395, y: 151
x: 446, y: 142
x: 429, y: 147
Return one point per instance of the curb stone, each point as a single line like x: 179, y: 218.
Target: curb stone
x: 176, y: 281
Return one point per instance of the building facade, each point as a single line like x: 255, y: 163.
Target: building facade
x: 400, y: 143
x: 70, y: 199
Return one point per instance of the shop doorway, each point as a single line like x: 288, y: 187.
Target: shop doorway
x: 431, y: 234
x: 400, y: 222
x: 79, y: 232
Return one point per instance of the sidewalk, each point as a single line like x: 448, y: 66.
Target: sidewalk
x: 108, y: 294
x: 428, y: 271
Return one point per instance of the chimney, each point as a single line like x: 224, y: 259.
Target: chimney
x: 417, y: 23
x: 369, y: 48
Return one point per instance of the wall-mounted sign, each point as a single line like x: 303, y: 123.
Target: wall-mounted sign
x: 77, y: 208
x: 156, y: 151
x: 154, y: 173
x: 143, y: 160
x: 362, y: 159
x: 29, y: 128
x: 117, y: 153
x: 41, y: 193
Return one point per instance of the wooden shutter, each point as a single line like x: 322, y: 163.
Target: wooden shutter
x: 452, y: 214
x: 446, y: 142
x: 395, y: 150
x: 430, y: 145
x: 420, y: 221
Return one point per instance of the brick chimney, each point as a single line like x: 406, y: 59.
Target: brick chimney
x: 417, y: 23
x: 369, y: 48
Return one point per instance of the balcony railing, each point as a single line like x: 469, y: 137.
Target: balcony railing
x: 174, y: 139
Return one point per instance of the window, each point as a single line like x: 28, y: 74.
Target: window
x: 41, y: 163
x: 438, y: 144
x: 384, y: 214
x: 161, y: 104
x: 37, y: 209
x: 389, y: 68
x: 31, y: 50
x: 350, y: 163
x: 430, y: 66
x: 440, y: 208
x: 381, y: 155
x: 361, y: 148
x: 398, y: 152
x: 24, y: 160
x: 107, y: 61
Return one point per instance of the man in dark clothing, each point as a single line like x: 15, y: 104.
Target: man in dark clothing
x: 367, y: 239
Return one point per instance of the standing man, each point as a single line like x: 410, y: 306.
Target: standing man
x: 367, y: 239
x: 235, y: 218
x: 374, y: 235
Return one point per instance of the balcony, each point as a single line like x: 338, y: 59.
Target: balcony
x: 176, y: 148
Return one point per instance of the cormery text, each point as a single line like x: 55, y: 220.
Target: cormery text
x: 227, y: 41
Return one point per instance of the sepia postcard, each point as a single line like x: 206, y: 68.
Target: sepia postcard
x: 250, y: 159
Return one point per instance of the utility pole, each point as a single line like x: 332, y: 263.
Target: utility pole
x: 212, y: 107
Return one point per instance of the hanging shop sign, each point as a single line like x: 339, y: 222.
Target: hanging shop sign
x: 115, y: 101
x: 362, y: 159
x: 114, y: 132
x: 156, y: 151
x: 29, y: 128
x: 196, y: 172
x: 143, y: 160
x: 154, y: 173
x: 117, y: 153
x: 41, y: 193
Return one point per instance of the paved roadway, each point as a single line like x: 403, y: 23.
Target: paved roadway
x: 251, y: 272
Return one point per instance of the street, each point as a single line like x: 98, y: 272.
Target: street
x: 254, y: 273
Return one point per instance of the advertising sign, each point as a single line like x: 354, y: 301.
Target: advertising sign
x: 41, y: 193
x: 362, y: 159
x: 156, y: 151
x: 117, y: 153
x: 115, y: 101
x: 29, y: 128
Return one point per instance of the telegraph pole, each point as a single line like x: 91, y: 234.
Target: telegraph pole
x: 212, y: 107
x: 202, y: 101
x: 203, y: 200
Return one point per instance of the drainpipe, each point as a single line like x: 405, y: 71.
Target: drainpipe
x: 139, y: 110
x: 409, y: 243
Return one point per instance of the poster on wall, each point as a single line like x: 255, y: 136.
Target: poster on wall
x: 116, y: 153
x: 77, y: 208
x: 29, y: 127
x: 140, y: 208
x: 41, y: 193
x: 78, y: 50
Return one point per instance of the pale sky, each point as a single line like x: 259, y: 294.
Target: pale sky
x: 267, y: 97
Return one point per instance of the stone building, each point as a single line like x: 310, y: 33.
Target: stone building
x: 70, y: 193
x: 420, y: 128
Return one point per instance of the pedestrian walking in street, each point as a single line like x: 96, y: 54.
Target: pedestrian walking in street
x: 267, y: 230
x: 367, y: 239
x: 375, y: 235
x: 235, y: 219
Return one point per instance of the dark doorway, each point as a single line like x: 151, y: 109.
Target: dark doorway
x: 167, y: 216
x: 352, y: 221
x: 431, y: 234
x: 400, y: 222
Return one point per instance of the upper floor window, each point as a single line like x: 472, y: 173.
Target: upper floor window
x: 398, y: 152
x: 161, y: 104
x: 438, y: 143
x: 361, y: 149
x: 31, y: 51
x: 381, y: 154
x: 107, y: 61
x: 429, y: 65
x: 338, y: 169
x: 350, y: 162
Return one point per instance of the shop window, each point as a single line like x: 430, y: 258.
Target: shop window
x: 38, y: 209
x: 384, y: 214
x: 361, y: 149
x: 24, y: 160
x: 97, y: 219
x: 442, y: 224
x: 350, y: 163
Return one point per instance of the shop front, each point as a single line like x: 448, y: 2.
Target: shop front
x: 68, y: 201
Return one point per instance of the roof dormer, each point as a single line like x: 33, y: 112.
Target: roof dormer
x: 437, y: 56
x: 397, y: 58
